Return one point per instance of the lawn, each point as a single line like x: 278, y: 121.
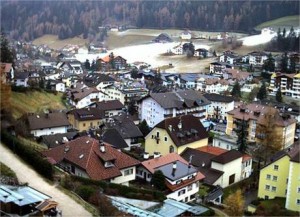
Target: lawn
x: 282, y: 22
x: 34, y: 101
x: 6, y: 171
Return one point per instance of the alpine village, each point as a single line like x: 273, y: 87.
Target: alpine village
x: 150, y: 108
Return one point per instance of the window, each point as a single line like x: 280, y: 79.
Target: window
x: 128, y: 172
x: 157, y: 134
x: 166, y: 138
x: 268, y: 187
x: 268, y: 176
x: 83, y: 124
x: 181, y: 192
x: 178, y: 182
x: 171, y: 149
x: 274, y: 188
x: 190, y: 187
x: 275, y: 178
x: 298, y: 189
x: 298, y: 201
x: 276, y: 167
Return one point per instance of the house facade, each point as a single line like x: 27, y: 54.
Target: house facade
x: 85, y: 119
x: 280, y: 178
x: 47, y: 124
x: 176, y: 134
x: 83, y: 97
x: 212, y: 85
x: 257, y: 114
x: 219, y: 106
x: 157, y: 106
x: 289, y: 84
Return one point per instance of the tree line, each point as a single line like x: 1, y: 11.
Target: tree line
x: 31, y: 19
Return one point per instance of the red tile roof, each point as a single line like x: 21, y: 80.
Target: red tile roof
x: 85, y: 153
x: 151, y: 164
x: 212, y: 150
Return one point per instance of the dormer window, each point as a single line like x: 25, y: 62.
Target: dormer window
x: 108, y: 164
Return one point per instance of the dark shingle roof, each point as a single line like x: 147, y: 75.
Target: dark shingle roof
x: 124, y: 125
x: 218, y: 98
x: 227, y: 157
x: 87, y: 114
x: 41, y: 121
x: 57, y: 139
x: 180, y: 99
x: 108, y: 105
x: 93, y: 79
x: 192, y: 129
x: 113, y: 137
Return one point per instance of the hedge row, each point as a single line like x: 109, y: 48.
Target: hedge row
x: 42, y: 166
x: 122, y: 190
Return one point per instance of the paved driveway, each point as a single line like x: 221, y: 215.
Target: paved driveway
x: 68, y: 206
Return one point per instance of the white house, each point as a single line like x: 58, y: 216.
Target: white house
x: 186, y: 35
x: 157, y: 106
x: 47, y: 123
x: 182, y: 180
x: 21, y: 79
x: 82, y: 97
x: 212, y: 85
x: 220, y: 167
x: 219, y: 106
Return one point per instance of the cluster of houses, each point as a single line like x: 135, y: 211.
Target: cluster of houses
x: 92, y: 139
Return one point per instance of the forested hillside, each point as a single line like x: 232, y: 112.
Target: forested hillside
x: 31, y: 19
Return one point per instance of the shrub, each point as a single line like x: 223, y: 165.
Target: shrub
x: 85, y: 192
x: 42, y: 166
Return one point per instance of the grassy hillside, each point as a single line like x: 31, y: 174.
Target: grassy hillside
x: 34, y: 101
x: 53, y: 42
x: 282, y: 22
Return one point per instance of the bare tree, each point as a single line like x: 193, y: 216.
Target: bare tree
x: 269, y: 138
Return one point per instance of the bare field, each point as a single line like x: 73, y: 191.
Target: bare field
x: 53, y: 42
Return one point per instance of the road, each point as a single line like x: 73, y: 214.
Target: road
x: 68, y: 206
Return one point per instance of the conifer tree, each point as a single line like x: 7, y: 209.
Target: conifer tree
x: 6, y: 55
x: 279, y: 95
x: 242, y: 133
x: 262, y: 92
x: 236, y: 90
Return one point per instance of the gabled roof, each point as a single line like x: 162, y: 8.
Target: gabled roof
x: 51, y: 120
x: 154, y: 163
x: 93, y: 79
x: 228, y: 156
x: 218, y: 98
x: 124, y: 125
x: 87, y: 114
x: 57, y: 139
x: 191, y: 129
x: 180, y: 99
x: 237, y: 74
x: 113, y: 137
x: 108, y: 105
x: 258, y: 112
x: 84, y: 92
x: 84, y: 152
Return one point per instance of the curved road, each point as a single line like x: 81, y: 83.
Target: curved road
x: 68, y: 206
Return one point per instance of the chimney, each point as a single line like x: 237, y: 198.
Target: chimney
x: 180, y: 125
x: 146, y: 155
x: 156, y: 154
x: 170, y: 128
x: 102, y: 146
x: 174, y: 168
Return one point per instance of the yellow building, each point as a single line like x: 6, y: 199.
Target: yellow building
x: 293, y: 191
x: 86, y: 118
x: 280, y: 178
x: 176, y: 134
x: 255, y: 115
